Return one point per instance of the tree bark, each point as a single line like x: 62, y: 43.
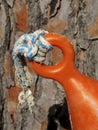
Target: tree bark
x: 75, y: 19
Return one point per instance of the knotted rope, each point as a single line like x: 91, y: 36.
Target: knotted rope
x: 32, y: 46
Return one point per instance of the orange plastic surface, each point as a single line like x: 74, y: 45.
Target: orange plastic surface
x: 81, y: 91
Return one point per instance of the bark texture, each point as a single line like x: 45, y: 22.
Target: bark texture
x: 75, y: 19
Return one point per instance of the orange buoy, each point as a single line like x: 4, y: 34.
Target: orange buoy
x: 81, y: 91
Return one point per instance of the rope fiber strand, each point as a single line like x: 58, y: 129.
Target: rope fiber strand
x: 32, y: 46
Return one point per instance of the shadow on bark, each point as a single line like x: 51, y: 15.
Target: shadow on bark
x: 58, y: 117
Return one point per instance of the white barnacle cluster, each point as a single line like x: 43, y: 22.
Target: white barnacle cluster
x: 32, y: 46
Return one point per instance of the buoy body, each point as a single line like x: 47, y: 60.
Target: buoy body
x: 81, y: 91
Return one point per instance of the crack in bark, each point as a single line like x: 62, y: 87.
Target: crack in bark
x: 35, y: 16
x: 54, y: 7
x: 3, y: 49
x: 7, y: 27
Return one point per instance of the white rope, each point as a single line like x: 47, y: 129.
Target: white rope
x: 32, y: 46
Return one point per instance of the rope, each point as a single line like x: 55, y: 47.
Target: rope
x: 32, y: 46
